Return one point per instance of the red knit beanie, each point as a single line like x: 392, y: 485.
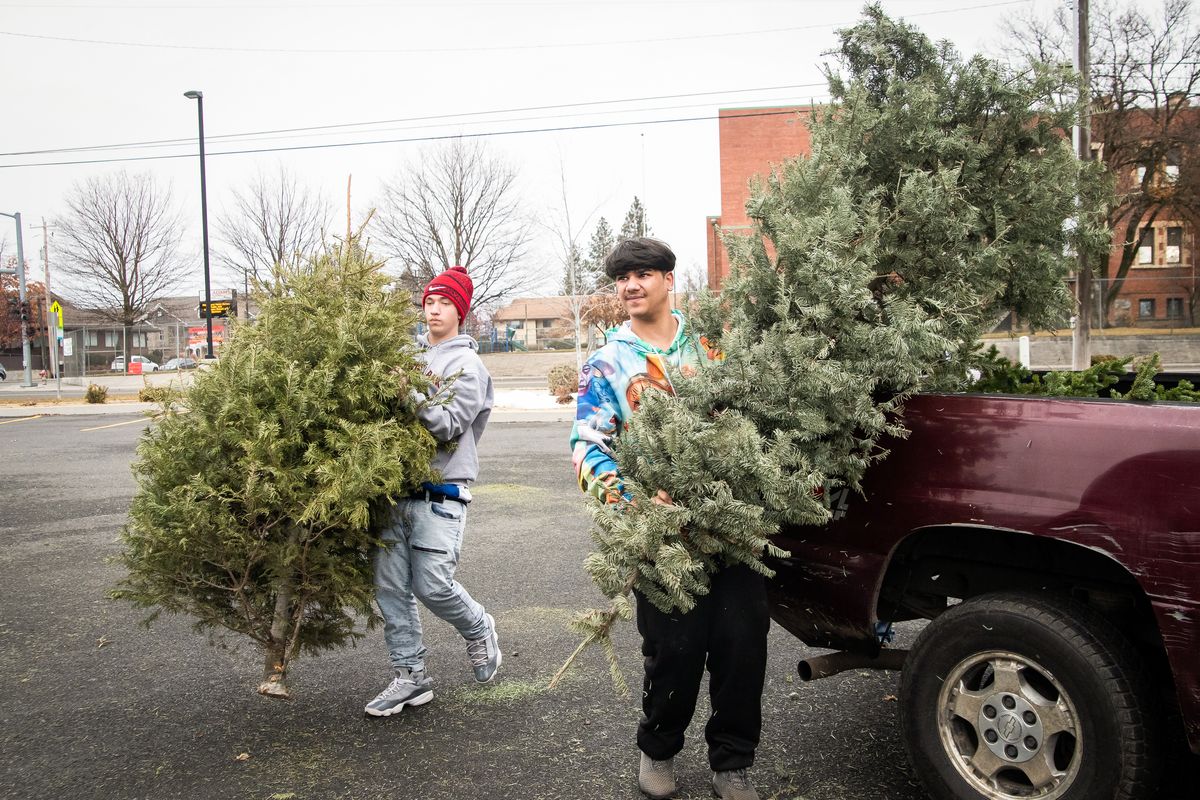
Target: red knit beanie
x: 456, y: 285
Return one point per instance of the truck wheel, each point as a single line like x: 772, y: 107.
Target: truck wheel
x: 1009, y: 696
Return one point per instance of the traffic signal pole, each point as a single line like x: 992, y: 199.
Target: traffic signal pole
x: 26, y: 355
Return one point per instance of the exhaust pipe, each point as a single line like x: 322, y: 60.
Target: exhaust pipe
x: 811, y: 669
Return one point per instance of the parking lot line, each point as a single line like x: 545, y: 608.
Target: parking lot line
x: 114, y: 425
x: 22, y: 419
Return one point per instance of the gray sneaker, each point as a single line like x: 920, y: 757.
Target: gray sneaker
x: 656, y: 779
x: 408, y: 688
x: 733, y: 785
x: 485, y: 653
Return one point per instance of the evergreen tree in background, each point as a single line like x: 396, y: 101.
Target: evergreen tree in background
x: 253, y: 508
x: 933, y: 202
x: 599, y: 246
x: 578, y: 278
x: 634, y: 224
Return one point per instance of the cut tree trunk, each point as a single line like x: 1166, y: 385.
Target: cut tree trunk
x: 274, y: 683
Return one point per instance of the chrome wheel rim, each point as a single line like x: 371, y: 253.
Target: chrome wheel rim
x: 1009, y: 727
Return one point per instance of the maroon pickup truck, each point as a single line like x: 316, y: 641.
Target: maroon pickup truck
x: 1055, y: 546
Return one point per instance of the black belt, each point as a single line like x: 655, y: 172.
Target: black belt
x: 435, y: 497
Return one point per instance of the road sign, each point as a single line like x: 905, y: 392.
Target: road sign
x: 56, y: 308
x: 198, y: 335
x: 68, y: 346
x: 217, y: 308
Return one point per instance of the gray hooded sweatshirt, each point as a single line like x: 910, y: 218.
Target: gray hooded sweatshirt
x: 458, y: 422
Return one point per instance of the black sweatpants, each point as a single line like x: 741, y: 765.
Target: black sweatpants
x: 728, y: 629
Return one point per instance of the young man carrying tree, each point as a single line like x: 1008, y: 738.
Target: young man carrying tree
x: 424, y: 535
x: 727, y: 629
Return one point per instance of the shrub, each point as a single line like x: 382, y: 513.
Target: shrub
x: 96, y: 393
x: 564, y: 382
x: 154, y: 394
x: 998, y: 375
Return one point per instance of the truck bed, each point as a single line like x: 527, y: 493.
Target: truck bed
x: 1098, y: 496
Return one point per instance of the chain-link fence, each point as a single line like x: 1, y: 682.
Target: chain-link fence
x: 91, y: 351
x: 74, y: 357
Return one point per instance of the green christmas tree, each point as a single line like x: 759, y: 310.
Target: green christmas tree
x: 256, y: 489
x: 932, y: 204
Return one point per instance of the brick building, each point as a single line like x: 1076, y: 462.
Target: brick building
x: 752, y: 141
x: 1153, y: 153
x: 1162, y: 288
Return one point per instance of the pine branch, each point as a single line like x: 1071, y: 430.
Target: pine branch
x: 601, y: 633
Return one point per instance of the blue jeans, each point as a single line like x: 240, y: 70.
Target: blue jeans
x: 417, y: 562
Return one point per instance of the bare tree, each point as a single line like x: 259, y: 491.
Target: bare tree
x: 271, y: 226
x: 120, y: 242
x: 578, y: 284
x: 456, y: 204
x: 604, y: 310
x: 1145, y: 127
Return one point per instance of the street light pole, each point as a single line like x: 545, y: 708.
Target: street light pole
x: 198, y: 96
x: 22, y: 297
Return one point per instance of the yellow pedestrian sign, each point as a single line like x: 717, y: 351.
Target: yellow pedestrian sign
x: 56, y: 309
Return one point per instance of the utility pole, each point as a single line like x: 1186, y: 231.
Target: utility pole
x: 51, y: 328
x: 52, y: 344
x: 1082, y: 134
x: 23, y: 298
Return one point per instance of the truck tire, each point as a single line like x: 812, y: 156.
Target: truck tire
x: 1011, y: 695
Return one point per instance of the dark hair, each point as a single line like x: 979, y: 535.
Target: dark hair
x: 640, y: 253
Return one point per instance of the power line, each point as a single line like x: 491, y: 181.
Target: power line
x: 480, y: 135
x: 483, y: 49
x: 788, y: 101
x: 585, y: 104
x: 340, y: 6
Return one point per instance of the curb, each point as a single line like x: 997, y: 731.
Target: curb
x: 511, y: 404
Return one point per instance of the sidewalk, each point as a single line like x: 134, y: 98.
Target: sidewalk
x: 511, y: 405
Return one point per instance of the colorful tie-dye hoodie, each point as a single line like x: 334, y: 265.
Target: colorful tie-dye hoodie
x: 610, y: 385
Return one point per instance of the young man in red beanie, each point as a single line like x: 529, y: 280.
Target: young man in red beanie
x: 424, y: 535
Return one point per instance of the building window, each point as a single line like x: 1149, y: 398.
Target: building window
x: 1174, y: 308
x: 139, y: 339
x: 93, y: 339
x: 1174, y: 161
x: 1146, y: 247
x: 110, y: 338
x: 1174, y: 252
x: 1146, y: 308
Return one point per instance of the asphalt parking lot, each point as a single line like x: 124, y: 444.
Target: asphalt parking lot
x: 93, y: 705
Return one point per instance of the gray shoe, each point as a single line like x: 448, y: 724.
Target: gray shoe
x: 485, y: 653
x: 408, y: 688
x: 656, y: 779
x: 733, y: 785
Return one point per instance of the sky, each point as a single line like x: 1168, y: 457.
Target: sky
x: 614, y: 98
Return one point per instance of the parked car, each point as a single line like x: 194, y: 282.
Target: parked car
x: 1054, y: 543
x: 179, y: 363
x: 118, y: 364
x: 3, y: 373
